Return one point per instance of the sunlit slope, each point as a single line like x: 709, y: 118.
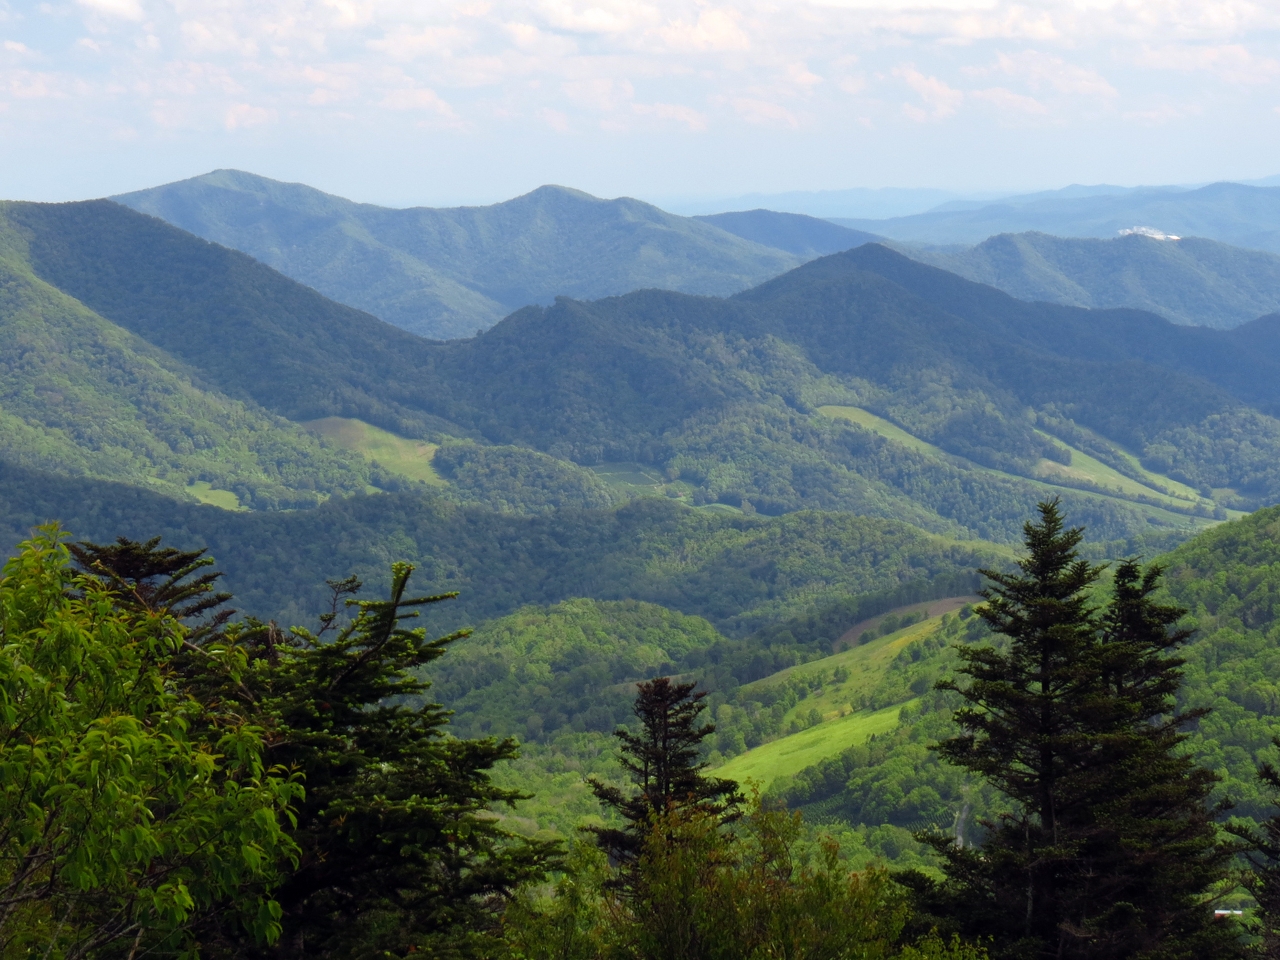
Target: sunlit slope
x: 791, y: 754
x: 408, y: 458
x: 841, y: 704
x: 1136, y: 485
x: 79, y: 395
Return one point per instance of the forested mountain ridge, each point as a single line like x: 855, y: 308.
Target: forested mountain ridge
x: 450, y: 272
x: 82, y: 396
x: 723, y: 396
x: 741, y: 573
x: 1190, y: 281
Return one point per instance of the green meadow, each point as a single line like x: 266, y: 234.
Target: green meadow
x: 409, y: 458
x: 790, y: 755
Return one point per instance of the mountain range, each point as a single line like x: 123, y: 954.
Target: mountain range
x: 1243, y: 216
x: 781, y: 398
x: 783, y: 492
x: 1190, y: 281
x: 447, y: 273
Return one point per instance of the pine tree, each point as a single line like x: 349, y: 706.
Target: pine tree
x: 1110, y: 850
x: 663, y: 762
x: 398, y: 849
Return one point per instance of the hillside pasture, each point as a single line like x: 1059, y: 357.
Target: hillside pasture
x: 409, y: 458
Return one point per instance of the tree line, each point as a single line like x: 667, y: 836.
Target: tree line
x: 175, y: 782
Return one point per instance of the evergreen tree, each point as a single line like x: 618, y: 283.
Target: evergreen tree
x: 398, y: 849
x: 1263, y: 881
x: 1110, y: 850
x: 663, y: 762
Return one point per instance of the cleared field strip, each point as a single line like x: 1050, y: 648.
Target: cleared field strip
x: 886, y: 429
x: 1091, y: 470
x: 1105, y: 481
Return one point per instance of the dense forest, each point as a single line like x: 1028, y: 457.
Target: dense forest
x: 338, y: 742
x: 725, y: 398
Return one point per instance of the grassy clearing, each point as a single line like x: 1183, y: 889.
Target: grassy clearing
x: 1087, y: 468
x: 866, y: 665
x: 641, y: 480
x: 622, y: 475
x: 202, y: 491
x: 932, y: 608
x: 409, y: 458
x: 841, y: 726
x: 790, y: 755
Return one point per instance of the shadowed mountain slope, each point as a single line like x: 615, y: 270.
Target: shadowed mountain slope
x: 450, y: 272
x: 80, y: 395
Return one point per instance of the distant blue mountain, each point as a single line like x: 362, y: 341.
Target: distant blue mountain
x: 449, y: 272
x: 1191, y: 281
x: 1244, y: 216
x: 805, y: 237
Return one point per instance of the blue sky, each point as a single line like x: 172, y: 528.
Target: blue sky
x: 401, y: 102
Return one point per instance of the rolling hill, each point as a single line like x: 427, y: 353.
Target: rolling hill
x: 1233, y: 213
x: 449, y: 272
x: 82, y: 396
x: 1192, y: 281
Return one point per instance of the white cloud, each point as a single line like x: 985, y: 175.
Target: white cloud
x: 821, y: 66
x: 714, y: 30
x: 940, y: 100
x: 242, y: 115
x: 1047, y: 71
x: 1233, y: 62
x: 406, y: 43
x: 1009, y: 102
x: 765, y: 113
x: 692, y: 119
x: 596, y: 16
x: 418, y: 99
x: 599, y: 93
x: 124, y: 9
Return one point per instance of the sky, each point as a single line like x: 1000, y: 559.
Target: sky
x: 416, y: 102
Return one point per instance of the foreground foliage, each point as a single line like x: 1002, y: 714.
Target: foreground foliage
x: 698, y: 892
x: 395, y: 847
x: 662, y: 761
x: 132, y: 815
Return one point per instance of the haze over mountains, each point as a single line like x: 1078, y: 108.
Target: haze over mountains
x: 1243, y: 216
x: 450, y: 272
x: 1189, y: 281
